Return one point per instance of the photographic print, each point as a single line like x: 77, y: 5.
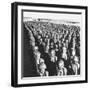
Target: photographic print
x: 50, y: 44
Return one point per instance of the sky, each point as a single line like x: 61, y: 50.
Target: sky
x: 55, y: 16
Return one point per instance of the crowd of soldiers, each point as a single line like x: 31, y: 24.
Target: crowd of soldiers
x: 56, y: 48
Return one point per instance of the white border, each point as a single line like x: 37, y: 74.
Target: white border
x: 52, y: 79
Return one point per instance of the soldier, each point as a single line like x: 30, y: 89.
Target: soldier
x: 37, y: 55
x: 42, y: 71
x: 61, y: 71
x: 75, y: 65
x: 64, y: 54
x: 52, y: 63
x: 53, y: 56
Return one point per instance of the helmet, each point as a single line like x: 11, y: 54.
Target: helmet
x: 36, y: 48
x: 41, y: 60
x: 76, y: 59
x: 42, y: 66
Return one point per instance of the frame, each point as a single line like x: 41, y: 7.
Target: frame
x: 46, y: 44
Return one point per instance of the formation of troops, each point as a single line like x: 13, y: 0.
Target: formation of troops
x: 55, y: 47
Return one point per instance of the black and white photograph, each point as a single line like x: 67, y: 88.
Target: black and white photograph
x: 51, y: 44
x: 51, y: 47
